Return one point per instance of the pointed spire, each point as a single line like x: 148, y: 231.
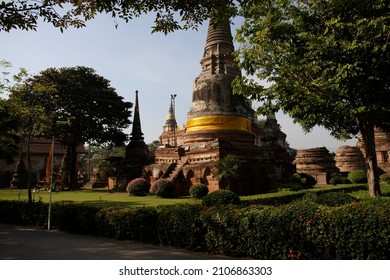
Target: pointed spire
x: 136, y: 150
x: 218, y: 52
x: 171, y: 113
x: 136, y: 133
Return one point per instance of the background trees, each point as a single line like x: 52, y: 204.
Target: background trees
x: 328, y: 64
x: 81, y: 107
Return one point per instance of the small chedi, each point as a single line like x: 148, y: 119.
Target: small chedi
x: 349, y: 158
x: 316, y: 162
x: 382, y: 147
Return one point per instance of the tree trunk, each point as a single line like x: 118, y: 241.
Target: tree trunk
x: 68, y: 168
x: 368, y: 134
x: 28, y: 140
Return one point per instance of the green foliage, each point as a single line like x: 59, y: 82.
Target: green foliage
x: 358, y: 176
x: 335, y: 199
x: 221, y: 197
x: 75, y: 218
x: 72, y: 99
x: 128, y: 223
x: 138, y: 187
x: 227, y: 168
x: 337, y: 178
x: 163, y: 188
x: 8, y: 133
x: 62, y: 14
x: 353, y: 231
x: 199, y: 190
x: 318, y: 60
x: 299, y: 230
x: 385, y: 178
x: 300, y: 181
x: 180, y: 226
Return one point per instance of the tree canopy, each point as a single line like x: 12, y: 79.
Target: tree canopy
x: 80, y: 106
x: 327, y: 63
x: 170, y: 15
x: 8, y: 133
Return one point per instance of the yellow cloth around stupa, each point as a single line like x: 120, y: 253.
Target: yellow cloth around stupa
x: 219, y: 122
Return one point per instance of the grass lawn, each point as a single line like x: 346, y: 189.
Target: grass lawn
x: 105, y: 198
x: 94, y: 197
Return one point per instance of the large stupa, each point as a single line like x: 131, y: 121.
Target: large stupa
x: 219, y: 124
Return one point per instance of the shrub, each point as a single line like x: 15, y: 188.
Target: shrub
x: 199, y: 190
x: 138, y: 187
x: 385, y: 178
x: 221, y: 197
x: 299, y: 181
x: 358, y: 176
x: 337, y: 178
x: 136, y: 223
x: 180, y: 226
x: 335, y: 199
x: 75, y: 218
x: 163, y: 188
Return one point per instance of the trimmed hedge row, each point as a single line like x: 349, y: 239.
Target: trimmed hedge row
x: 300, y: 230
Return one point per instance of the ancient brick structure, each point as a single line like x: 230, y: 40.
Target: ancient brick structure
x: 219, y: 124
x: 136, y: 151
x: 382, y: 146
x: 349, y: 158
x: 316, y: 162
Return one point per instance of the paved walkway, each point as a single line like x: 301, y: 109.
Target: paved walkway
x: 20, y: 243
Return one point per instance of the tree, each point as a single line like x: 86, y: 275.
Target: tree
x: 24, y: 14
x: 227, y: 168
x: 82, y: 107
x: 30, y: 115
x: 8, y: 133
x: 327, y: 62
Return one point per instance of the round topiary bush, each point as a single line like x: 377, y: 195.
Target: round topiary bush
x: 163, y: 188
x: 199, y: 190
x: 358, y: 176
x: 138, y: 187
x: 335, y: 199
x: 221, y: 197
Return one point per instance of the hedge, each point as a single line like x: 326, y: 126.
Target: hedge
x: 300, y: 230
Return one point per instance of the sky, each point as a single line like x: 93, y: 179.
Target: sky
x: 133, y: 58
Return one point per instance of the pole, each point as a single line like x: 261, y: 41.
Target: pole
x: 51, y: 184
x: 173, y: 96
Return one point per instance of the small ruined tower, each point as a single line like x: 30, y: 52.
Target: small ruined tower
x: 215, y: 112
x: 169, y: 135
x: 136, y: 150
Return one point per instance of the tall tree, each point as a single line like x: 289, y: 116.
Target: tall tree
x: 327, y: 62
x: 30, y: 115
x: 82, y: 107
x: 25, y: 14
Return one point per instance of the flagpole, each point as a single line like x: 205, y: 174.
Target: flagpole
x: 51, y: 183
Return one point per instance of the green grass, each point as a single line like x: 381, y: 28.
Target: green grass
x: 94, y: 197
x: 103, y: 198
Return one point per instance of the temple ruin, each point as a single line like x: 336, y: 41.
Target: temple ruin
x: 219, y: 124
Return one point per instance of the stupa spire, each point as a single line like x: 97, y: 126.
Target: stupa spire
x: 136, y: 150
x: 136, y: 133
x: 215, y: 112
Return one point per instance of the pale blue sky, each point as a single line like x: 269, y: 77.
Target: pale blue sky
x: 134, y: 59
